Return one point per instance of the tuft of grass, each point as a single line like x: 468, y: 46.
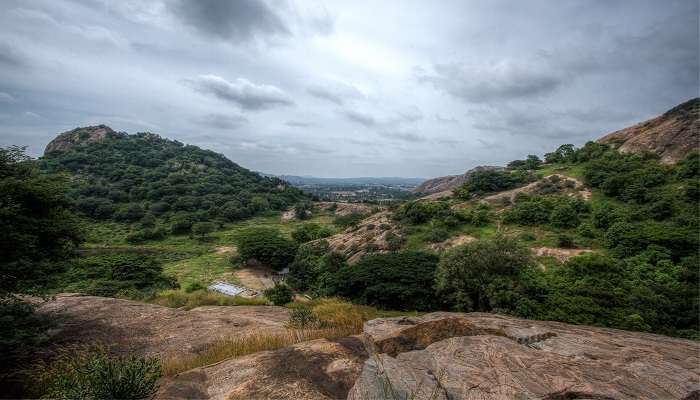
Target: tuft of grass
x: 180, y: 299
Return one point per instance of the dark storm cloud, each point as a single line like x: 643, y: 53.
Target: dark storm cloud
x: 223, y: 121
x: 236, y: 20
x: 246, y: 94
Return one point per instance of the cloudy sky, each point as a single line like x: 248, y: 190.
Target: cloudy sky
x: 346, y: 88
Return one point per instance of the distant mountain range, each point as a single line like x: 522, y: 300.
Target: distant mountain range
x: 360, y: 181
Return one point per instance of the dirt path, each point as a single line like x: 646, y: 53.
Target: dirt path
x: 257, y: 278
x: 558, y: 253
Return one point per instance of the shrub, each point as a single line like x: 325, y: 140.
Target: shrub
x: 564, y: 216
x: 202, y: 229
x: 279, y: 295
x: 304, y: 318
x: 94, y: 374
x: 437, y: 235
x: 194, y: 286
x: 393, y: 241
x: 565, y: 241
x: 346, y: 221
x: 309, y: 232
x: 586, y: 230
x: 303, y: 210
x: 266, y: 246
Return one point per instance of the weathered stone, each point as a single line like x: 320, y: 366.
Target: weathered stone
x: 80, y: 136
x: 672, y: 135
x: 486, y: 356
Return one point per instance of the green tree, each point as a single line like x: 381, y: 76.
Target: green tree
x: 478, y: 276
x: 267, y: 246
x: 202, y: 229
x: 280, y: 294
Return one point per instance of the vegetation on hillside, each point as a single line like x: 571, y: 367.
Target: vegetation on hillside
x: 162, y: 186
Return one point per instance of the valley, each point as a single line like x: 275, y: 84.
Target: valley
x: 546, y: 264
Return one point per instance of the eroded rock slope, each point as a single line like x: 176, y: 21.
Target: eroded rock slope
x: 485, y: 356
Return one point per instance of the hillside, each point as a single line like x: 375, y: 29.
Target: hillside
x: 447, y: 183
x: 672, y: 135
x: 147, y: 179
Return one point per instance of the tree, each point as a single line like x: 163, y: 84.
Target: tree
x: 37, y: 226
x: 202, y: 229
x: 303, y: 210
x: 397, y: 281
x: 280, y: 294
x: 266, y: 246
x: 309, y: 232
x: 564, y: 216
x: 477, y: 276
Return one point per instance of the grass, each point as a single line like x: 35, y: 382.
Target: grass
x: 180, y: 299
x: 189, y: 259
x: 341, y: 318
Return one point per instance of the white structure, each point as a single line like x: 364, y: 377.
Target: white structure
x: 227, y: 289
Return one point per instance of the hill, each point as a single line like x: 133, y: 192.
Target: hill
x: 448, y: 183
x: 672, y: 135
x: 145, y: 178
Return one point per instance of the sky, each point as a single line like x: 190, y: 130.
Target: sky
x: 346, y: 88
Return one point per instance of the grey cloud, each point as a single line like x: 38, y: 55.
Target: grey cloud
x: 406, y: 136
x: 298, y: 124
x: 505, y: 79
x: 335, y: 92
x: 6, y: 98
x: 247, y: 95
x: 360, y: 118
x: 12, y: 57
x: 237, y: 20
x: 223, y: 121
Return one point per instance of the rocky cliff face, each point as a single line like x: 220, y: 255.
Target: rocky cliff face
x: 672, y: 135
x: 486, y: 356
x: 80, y: 136
x: 448, y: 183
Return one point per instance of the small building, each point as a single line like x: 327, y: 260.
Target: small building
x: 232, y: 290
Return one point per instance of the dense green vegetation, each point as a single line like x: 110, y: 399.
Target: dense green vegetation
x: 162, y: 186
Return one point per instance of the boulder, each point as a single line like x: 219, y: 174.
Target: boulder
x: 80, y: 136
x: 486, y: 356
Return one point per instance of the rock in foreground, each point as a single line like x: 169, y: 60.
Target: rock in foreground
x: 485, y: 356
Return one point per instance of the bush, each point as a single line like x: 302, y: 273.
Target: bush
x: 304, y: 318
x: 202, y: 229
x: 566, y: 242
x: 564, y: 216
x: 279, y: 295
x: 266, y: 246
x: 303, y: 210
x: 437, y: 235
x: 309, y: 232
x: 194, y: 286
x: 346, y: 221
x: 94, y: 374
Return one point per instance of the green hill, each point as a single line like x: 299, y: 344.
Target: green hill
x: 162, y: 184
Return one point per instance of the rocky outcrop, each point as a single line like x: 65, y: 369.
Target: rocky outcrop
x: 450, y: 182
x: 318, y: 369
x: 133, y: 327
x: 672, y: 135
x: 486, y: 356
x: 555, y: 184
x: 369, y: 236
x: 80, y: 136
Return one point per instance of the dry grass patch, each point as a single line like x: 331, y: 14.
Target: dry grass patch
x: 231, y: 347
x: 179, y: 299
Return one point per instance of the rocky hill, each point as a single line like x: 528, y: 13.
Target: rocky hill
x: 447, y: 183
x: 487, y: 356
x: 128, y: 177
x: 672, y: 135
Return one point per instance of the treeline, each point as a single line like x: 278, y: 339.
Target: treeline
x: 162, y: 186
